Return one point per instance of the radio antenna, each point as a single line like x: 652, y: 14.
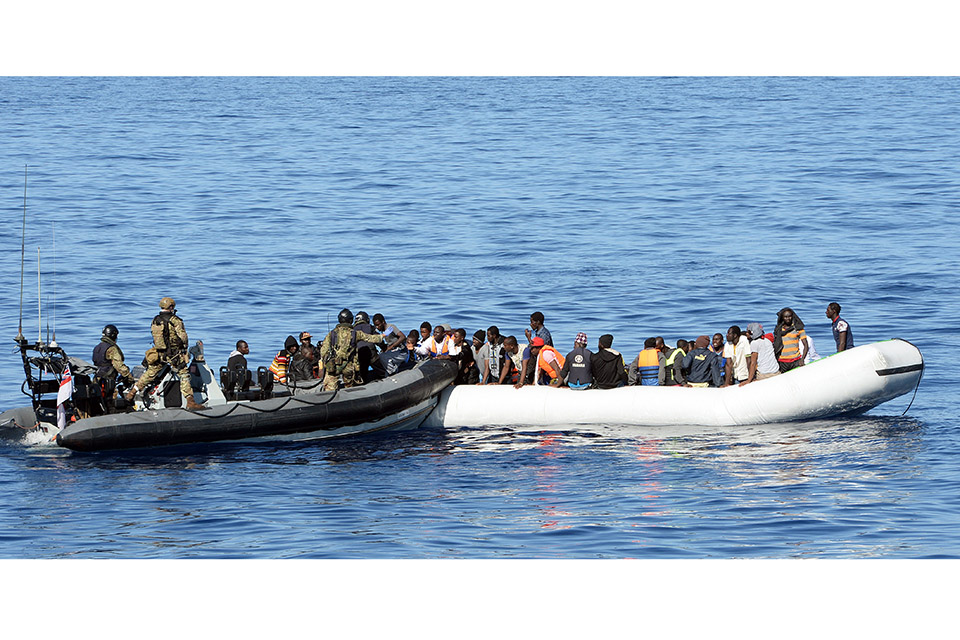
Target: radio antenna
x: 39, y: 312
x: 23, y: 240
x: 53, y: 232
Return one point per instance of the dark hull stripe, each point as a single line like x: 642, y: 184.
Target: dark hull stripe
x: 896, y: 370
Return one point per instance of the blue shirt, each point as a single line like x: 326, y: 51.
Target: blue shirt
x: 542, y: 332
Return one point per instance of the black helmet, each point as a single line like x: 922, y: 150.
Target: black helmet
x: 361, y: 317
x: 345, y: 317
x: 111, y: 332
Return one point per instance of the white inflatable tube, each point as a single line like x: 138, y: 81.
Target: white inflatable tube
x: 846, y: 383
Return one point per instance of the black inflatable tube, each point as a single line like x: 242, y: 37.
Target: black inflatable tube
x: 303, y: 413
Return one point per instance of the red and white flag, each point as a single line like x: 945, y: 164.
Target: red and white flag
x: 64, y: 394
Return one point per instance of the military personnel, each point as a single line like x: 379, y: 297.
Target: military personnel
x: 108, y: 358
x: 169, y: 347
x: 339, y: 352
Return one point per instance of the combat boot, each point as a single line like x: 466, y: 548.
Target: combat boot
x: 193, y: 406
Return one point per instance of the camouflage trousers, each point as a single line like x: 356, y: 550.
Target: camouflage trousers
x: 350, y: 379
x: 178, y: 366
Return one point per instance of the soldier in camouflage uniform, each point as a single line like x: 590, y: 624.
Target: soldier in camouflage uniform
x: 339, y: 352
x: 169, y: 347
x: 108, y: 358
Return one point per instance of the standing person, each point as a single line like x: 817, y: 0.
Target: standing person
x: 606, y: 365
x: 370, y: 365
x: 108, y: 359
x: 842, y: 334
x: 762, y: 363
x: 339, y: 352
x: 281, y: 365
x: 701, y: 366
x: 576, y: 372
x: 789, y: 340
x: 539, y: 331
x: 169, y: 347
x: 737, y: 353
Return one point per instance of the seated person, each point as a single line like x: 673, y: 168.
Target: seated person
x: 547, y: 363
x: 393, y: 338
x: 281, y: 362
x: 463, y: 354
x: 647, y: 368
x: 509, y: 372
x: 576, y: 372
x: 607, y: 365
x: 672, y: 369
x: 436, y: 346
x: 701, y: 367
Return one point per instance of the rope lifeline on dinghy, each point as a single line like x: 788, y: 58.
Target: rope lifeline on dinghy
x: 917, y: 388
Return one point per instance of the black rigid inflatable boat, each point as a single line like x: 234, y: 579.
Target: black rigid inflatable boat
x: 401, y: 401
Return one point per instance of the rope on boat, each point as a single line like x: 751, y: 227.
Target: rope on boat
x: 237, y: 405
x: 917, y: 388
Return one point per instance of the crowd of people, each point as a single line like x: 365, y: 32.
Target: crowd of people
x: 361, y: 349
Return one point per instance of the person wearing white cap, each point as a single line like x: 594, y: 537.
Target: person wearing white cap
x: 762, y: 362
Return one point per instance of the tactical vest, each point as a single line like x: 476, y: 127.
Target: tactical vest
x: 580, y: 372
x: 168, y: 334
x: 342, y: 353
x: 105, y: 369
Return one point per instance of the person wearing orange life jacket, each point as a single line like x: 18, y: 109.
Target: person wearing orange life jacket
x: 549, y: 364
x: 648, y: 367
x: 437, y: 345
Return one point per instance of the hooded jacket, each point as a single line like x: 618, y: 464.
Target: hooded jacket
x: 607, y: 368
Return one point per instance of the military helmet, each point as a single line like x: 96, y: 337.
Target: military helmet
x: 361, y: 317
x: 168, y: 303
x: 346, y: 316
x: 110, y: 331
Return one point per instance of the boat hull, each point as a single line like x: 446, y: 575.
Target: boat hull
x: 847, y: 383
x: 397, y: 402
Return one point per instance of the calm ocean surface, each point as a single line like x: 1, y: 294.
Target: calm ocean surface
x: 635, y: 206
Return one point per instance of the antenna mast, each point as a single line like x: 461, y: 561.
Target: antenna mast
x: 39, y: 313
x: 23, y: 239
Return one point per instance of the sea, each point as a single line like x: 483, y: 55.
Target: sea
x: 635, y: 206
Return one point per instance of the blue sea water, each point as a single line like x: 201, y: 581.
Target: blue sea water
x: 634, y: 206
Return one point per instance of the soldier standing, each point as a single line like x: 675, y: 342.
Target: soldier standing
x: 169, y: 347
x: 339, y: 352
x: 108, y: 358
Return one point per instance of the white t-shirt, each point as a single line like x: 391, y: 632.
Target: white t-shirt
x: 738, y: 353
x: 811, y: 352
x: 766, y: 359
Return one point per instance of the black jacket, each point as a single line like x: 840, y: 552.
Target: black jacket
x: 607, y: 368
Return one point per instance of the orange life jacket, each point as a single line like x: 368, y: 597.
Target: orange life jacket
x: 543, y: 364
